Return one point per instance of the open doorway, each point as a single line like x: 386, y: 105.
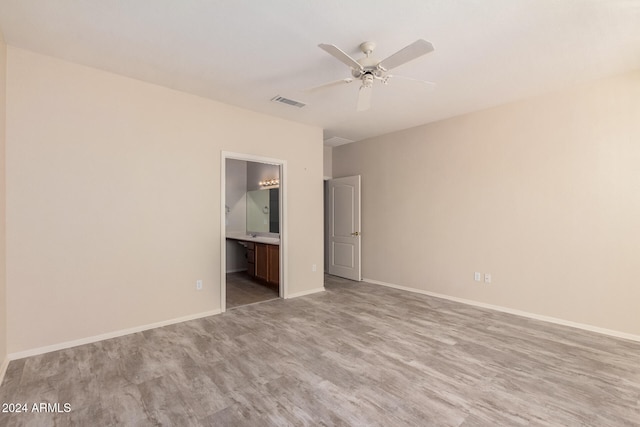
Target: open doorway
x: 253, y: 229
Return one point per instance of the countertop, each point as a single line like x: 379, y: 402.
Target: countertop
x: 235, y: 235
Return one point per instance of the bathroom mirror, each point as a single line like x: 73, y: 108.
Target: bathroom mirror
x: 263, y: 211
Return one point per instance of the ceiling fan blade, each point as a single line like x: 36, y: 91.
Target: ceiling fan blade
x: 411, y: 79
x: 327, y: 85
x: 340, y: 56
x: 414, y: 50
x: 364, y: 98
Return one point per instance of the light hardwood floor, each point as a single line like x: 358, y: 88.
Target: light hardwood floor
x: 356, y: 355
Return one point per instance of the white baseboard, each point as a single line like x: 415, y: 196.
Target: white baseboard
x: 115, y: 334
x: 303, y: 293
x: 549, y: 319
x: 109, y: 335
x: 3, y: 368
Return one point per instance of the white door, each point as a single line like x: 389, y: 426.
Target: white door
x: 344, y: 227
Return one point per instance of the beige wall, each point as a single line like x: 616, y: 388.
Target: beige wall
x: 543, y: 194
x: 113, y: 199
x: 3, y: 304
x: 328, y: 168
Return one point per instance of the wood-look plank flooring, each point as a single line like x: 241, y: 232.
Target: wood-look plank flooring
x: 243, y: 290
x: 356, y: 355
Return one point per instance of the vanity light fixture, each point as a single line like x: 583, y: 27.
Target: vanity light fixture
x: 269, y: 183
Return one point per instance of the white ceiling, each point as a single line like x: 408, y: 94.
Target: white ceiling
x: 244, y: 52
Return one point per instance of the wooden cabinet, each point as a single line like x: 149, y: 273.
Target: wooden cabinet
x: 263, y: 262
x: 273, y: 264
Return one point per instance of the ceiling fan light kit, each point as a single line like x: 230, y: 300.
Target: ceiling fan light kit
x: 368, y: 69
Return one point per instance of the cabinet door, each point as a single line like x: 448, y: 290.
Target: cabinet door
x: 274, y: 264
x: 262, y: 261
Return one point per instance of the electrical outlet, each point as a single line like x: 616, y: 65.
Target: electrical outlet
x: 487, y: 277
x: 198, y: 285
x: 477, y: 276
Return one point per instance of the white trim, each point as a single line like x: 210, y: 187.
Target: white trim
x: 284, y: 230
x: 303, y: 293
x: 251, y: 158
x: 549, y: 319
x: 109, y: 335
x: 223, y: 232
x: 284, y: 288
x: 3, y: 368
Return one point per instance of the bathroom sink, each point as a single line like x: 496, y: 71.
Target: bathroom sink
x: 270, y: 240
x: 253, y: 238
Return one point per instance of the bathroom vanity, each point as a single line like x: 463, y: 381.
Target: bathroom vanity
x: 263, y: 257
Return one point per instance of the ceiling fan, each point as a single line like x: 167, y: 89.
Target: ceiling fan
x: 369, y: 69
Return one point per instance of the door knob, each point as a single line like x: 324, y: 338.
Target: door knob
x: 356, y: 233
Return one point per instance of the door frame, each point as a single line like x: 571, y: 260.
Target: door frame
x: 284, y: 288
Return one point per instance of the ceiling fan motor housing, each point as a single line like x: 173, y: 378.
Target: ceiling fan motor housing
x: 370, y: 66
